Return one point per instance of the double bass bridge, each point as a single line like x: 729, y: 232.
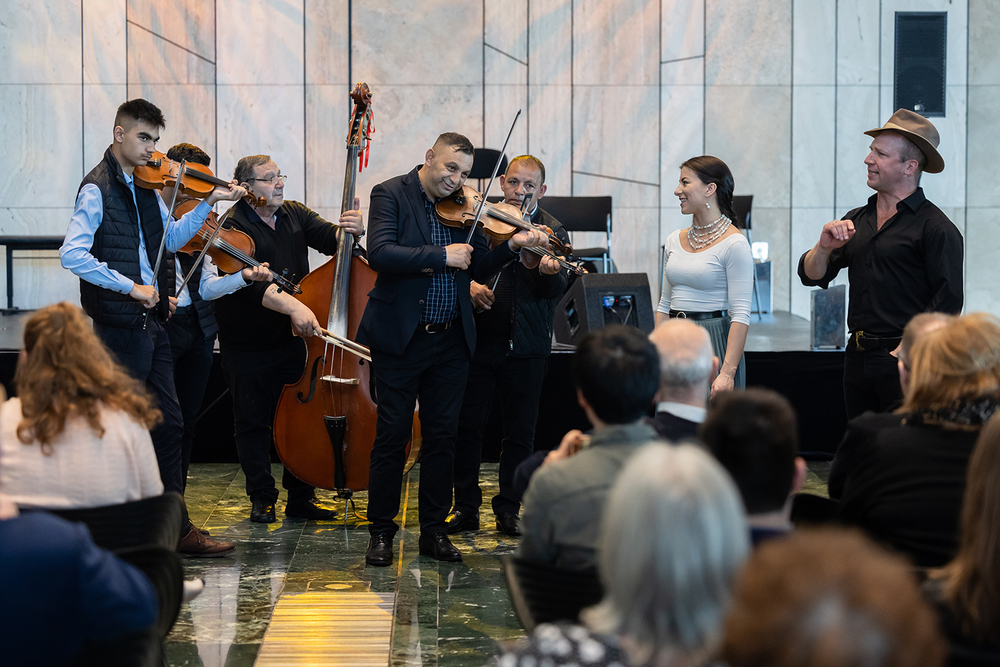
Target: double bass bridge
x: 339, y: 380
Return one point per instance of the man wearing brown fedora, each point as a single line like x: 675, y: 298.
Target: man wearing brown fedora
x: 903, y: 256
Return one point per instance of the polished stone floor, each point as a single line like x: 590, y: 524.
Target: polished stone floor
x: 445, y: 614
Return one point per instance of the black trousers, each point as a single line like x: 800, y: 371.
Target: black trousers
x: 433, y: 367
x: 871, y: 381
x: 255, y: 380
x: 518, y: 383
x: 192, y: 356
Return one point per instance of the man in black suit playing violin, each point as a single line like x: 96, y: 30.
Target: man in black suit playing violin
x: 419, y: 325
x: 514, y: 339
x: 261, y: 327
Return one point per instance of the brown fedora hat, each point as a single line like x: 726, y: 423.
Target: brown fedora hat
x: 920, y: 131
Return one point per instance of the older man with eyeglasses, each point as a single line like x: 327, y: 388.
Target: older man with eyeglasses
x: 261, y: 328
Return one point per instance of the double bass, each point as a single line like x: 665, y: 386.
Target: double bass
x: 324, y: 426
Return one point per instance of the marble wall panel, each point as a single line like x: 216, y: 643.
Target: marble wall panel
x: 806, y: 225
x: 190, y: 112
x: 748, y: 42
x: 858, y: 42
x: 813, y: 126
x: 500, y: 107
x: 983, y: 185
x: 623, y: 193
x: 682, y: 132
x: 328, y: 112
x: 41, y: 143
x: 984, y: 26
x: 263, y: 119
x: 857, y: 111
x: 814, y: 42
x: 245, y: 58
x: 327, y: 43
x: 154, y: 61
x: 635, y: 248
x: 754, y: 141
x: 189, y: 26
x: 773, y: 225
x: 549, y: 135
x: 104, y: 45
x: 616, y: 43
x: 439, y: 45
x: 100, y: 102
x: 550, y: 42
x: 505, y: 28
x: 948, y: 188
x: 500, y: 68
x: 982, y: 238
x: 40, y: 43
x: 683, y: 30
x: 407, y: 121
x: 615, y: 130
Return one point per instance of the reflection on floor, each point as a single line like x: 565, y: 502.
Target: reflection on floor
x: 445, y: 614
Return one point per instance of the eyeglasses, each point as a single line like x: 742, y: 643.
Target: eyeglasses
x: 281, y: 177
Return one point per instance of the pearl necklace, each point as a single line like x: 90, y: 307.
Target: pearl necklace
x: 702, y: 237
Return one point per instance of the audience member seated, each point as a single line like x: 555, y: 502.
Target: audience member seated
x: 902, y: 477
x: 77, y: 435
x: 671, y: 543
x: 687, y: 366
x: 754, y: 435
x: 617, y: 373
x: 966, y: 591
x: 61, y: 592
x: 829, y: 598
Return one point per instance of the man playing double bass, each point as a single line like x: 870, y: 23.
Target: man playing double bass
x: 258, y: 326
x: 419, y: 326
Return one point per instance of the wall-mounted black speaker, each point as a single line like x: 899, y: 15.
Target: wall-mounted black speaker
x: 920, y: 77
x: 598, y: 299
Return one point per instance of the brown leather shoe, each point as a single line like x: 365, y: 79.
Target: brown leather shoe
x: 196, y: 545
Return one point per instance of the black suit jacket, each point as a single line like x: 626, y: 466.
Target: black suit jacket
x: 400, y: 250
x: 673, y: 428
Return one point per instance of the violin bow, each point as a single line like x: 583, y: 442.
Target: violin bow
x: 163, y: 239
x: 496, y: 168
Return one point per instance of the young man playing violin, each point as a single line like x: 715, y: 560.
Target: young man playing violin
x: 514, y: 339
x: 192, y: 326
x: 112, y: 244
x: 419, y: 326
x: 260, y: 329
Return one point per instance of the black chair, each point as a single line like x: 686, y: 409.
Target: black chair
x: 152, y: 521
x: 544, y: 594
x: 584, y: 214
x: 482, y: 165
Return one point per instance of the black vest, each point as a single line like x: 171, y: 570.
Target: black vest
x: 205, y: 309
x: 116, y: 242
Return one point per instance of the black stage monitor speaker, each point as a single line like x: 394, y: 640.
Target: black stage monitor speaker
x: 921, y: 45
x: 598, y: 299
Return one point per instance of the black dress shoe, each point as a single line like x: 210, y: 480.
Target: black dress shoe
x: 462, y: 521
x: 379, y: 550
x: 508, y: 523
x: 308, y: 509
x: 440, y: 547
x: 263, y: 511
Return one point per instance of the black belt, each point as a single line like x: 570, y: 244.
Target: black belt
x: 438, y: 327
x: 185, y: 310
x: 860, y: 340
x: 697, y: 316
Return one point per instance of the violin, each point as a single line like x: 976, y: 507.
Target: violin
x: 197, y: 181
x: 230, y: 249
x: 500, y: 220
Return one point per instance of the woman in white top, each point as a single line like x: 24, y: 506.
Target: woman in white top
x: 78, y: 433
x: 708, y: 267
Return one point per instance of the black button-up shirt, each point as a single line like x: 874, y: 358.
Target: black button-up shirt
x: 912, y: 265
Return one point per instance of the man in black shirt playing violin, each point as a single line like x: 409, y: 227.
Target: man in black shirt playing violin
x: 419, y: 326
x: 903, y: 255
x: 261, y: 326
x: 514, y: 339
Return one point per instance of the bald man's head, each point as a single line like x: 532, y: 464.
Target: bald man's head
x: 686, y: 359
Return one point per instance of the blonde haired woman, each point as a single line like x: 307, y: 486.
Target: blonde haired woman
x: 77, y: 434
x: 673, y: 537
x: 901, y: 477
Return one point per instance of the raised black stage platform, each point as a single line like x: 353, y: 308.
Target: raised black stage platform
x: 778, y: 357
